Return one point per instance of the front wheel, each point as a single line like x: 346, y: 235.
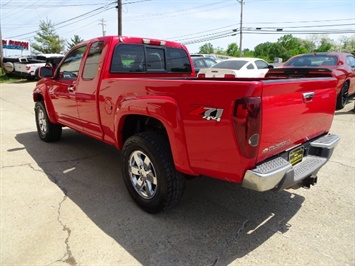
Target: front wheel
x: 47, y: 131
x: 149, y: 172
x: 342, y: 98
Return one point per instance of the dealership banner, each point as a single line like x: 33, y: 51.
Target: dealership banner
x: 16, y: 45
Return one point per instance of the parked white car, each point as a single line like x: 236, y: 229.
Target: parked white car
x: 237, y: 68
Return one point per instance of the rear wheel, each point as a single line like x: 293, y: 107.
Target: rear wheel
x: 47, y: 131
x: 342, y: 98
x: 149, y: 172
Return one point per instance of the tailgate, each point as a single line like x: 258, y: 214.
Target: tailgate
x: 294, y: 111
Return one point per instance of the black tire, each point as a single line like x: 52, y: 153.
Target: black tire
x: 342, y: 98
x: 36, y: 75
x: 149, y: 172
x: 47, y: 131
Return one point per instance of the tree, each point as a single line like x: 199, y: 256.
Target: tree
x: 347, y: 45
x: 307, y: 46
x: 291, y: 44
x: 74, y: 41
x: 48, y: 41
x: 220, y: 50
x: 207, y: 48
x: 276, y: 50
x: 233, y: 50
x: 288, y: 46
x: 262, y: 50
x: 248, y: 53
x: 325, y: 45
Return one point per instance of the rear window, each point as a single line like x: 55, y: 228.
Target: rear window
x: 41, y: 57
x: 313, y: 61
x: 136, y: 58
x: 236, y: 65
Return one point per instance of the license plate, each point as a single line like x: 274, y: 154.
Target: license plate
x: 295, y: 156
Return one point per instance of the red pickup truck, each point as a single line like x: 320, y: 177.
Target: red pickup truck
x: 142, y: 96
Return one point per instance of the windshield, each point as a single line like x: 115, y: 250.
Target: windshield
x: 237, y: 65
x: 313, y: 61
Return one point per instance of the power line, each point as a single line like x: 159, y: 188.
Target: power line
x: 87, y: 14
x: 185, y: 11
x: 211, y: 34
x: 231, y: 32
x: 234, y: 26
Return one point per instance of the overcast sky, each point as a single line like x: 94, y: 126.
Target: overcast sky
x: 193, y: 22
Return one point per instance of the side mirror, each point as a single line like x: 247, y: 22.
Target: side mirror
x: 270, y: 66
x: 46, y: 72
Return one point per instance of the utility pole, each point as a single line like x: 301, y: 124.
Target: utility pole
x: 102, y: 23
x: 119, y: 11
x: 241, y: 2
x: 1, y: 52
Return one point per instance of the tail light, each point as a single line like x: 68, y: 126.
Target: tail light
x: 201, y: 76
x: 229, y: 76
x: 28, y: 67
x: 247, y: 125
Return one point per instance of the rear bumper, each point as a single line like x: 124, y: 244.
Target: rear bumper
x: 279, y: 174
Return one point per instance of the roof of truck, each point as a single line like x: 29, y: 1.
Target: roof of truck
x: 138, y: 40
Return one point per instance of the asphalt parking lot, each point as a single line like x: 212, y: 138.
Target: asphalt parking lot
x: 65, y: 203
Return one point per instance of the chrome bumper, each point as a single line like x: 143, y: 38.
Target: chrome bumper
x: 279, y: 174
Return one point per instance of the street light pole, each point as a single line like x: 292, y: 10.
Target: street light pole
x: 241, y: 27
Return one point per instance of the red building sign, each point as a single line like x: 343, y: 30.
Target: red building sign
x: 16, y: 44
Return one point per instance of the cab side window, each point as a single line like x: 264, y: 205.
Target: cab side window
x: 93, y: 60
x: 128, y: 58
x: 71, y: 64
x: 177, y: 61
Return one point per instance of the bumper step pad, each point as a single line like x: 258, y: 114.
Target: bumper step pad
x: 279, y: 174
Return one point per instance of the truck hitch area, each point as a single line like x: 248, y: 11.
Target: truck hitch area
x: 309, y: 181
x: 278, y: 173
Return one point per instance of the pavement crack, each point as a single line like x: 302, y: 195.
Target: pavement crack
x: 235, y: 236
x: 54, y: 161
x: 213, y: 263
x: 220, y: 251
x: 342, y: 164
x: 68, y: 256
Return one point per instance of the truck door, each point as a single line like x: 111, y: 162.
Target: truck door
x: 63, y: 89
x: 87, y: 90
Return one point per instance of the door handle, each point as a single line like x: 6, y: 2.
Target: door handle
x: 308, y: 97
x: 71, y: 88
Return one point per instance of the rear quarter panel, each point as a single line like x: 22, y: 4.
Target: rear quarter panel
x: 209, y: 146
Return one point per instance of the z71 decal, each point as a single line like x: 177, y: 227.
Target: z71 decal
x: 208, y: 113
